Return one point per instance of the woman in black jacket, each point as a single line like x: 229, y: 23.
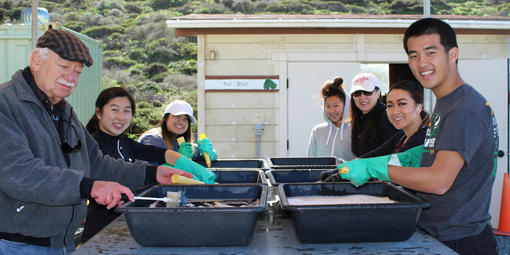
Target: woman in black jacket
x: 115, y: 109
x: 404, y: 108
x: 369, y: 123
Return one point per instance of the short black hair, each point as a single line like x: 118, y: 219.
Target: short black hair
x: 428, y: 26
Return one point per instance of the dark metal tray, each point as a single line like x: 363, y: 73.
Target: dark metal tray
x: 192, y: 226
x: 277, y: 176
x: 352, y: 222
x: 242, y: 175
x: 303, y: 162
x: 237, y: 163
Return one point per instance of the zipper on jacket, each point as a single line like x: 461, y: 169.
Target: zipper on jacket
x: 68, y: 226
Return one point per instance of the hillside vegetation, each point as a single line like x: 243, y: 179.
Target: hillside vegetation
x: 144, y: 56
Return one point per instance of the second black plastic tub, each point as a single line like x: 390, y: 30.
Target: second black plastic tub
x: 316, y: 223
x: 303, y: 162
x: 237, y: 163
x: 196, y: 226
x: 246, y: 175
x: 277, y: 176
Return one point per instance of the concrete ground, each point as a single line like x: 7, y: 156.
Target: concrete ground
x: 503, y: 244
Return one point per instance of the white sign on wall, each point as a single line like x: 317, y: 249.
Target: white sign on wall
x: 241, y: 84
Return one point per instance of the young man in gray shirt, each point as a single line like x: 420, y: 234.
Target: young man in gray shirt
x: 455, y: 169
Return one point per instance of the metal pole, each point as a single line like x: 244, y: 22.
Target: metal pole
x: 426, y: 8
x: 35, y: 7
x: 258, y: 134
x: 428, y: 97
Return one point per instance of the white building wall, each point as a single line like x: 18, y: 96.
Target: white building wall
x: 229, y: 117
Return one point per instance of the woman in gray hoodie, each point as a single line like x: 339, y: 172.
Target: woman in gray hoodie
x: 332, y: 137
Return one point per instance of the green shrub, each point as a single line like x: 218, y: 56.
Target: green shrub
x: 14, y: 14
x: 3, y: 15
x: 154, y: 68
x: 243, y: 6
x: 133, y: 8
x: 75, y: 25
x: 146, y: 117
x: 99, y: 32
x: 117, y: 62
x: 137, y: 54
x: 162, y: 55
x: 188, y: 67
x: 111, y: 53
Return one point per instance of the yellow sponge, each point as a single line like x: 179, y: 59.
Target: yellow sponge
x: 179, y: 179
x: 206, y: 156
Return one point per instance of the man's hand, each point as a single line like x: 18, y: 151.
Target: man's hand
x: 110, y: 193
x: 164, y: 174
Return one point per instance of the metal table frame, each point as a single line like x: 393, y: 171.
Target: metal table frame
x: 273, y: 235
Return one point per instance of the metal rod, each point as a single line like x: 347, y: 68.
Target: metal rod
x: 429, y: 98
x: 35, y: 7
x: 164, y: 199
x: 426, y: 8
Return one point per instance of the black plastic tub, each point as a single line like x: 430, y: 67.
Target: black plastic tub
x: 316, y: 223
x: 277, y: 176
x: 193, y: 226
x: 303, y: 162
x: 246, y: 175
x: 237, y: 163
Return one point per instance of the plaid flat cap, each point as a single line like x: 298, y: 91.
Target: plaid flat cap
x: 66, y: 45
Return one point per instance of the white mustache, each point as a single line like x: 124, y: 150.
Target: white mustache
x: 70, y: 84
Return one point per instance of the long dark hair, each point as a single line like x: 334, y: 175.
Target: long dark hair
x: 334, y: 87
x: 373, y: 116
x: 416, y: 91
x: 104, y: 97
x: 169, y: 137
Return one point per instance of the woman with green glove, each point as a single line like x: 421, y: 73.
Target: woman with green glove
x: 176, y: 123
x: 114, y: 111
x: 404, y: 107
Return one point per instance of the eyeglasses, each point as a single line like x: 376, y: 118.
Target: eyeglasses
x: 366, y: 93
x: 65, y: 145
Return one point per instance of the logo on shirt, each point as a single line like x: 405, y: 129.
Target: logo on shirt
x: 432, y: 131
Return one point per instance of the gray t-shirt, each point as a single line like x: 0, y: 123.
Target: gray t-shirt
x: 463, y: 122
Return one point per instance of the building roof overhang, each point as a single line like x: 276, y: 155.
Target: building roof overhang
x: 194, y: 24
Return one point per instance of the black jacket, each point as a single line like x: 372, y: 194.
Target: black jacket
x: 389, y: 146
x: 383, y: 131
x: 118, y: 147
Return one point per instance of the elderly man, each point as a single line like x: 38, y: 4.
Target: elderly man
x: 50, y: 164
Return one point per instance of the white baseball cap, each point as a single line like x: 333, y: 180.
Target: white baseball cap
x: 365, y: 82
x: 179, y: 107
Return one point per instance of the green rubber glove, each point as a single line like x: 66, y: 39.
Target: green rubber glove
x: 199, y: 172
x: 186, y: 149
x: 359, y: 171
x: 205, y: 145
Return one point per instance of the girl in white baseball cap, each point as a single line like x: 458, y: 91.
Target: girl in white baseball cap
x: 370, y: 125
x: 176, y: 122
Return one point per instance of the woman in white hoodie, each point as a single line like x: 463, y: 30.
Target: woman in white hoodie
x: 332, y: 137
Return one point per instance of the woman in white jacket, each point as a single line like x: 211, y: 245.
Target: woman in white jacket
x: 332, y: 137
